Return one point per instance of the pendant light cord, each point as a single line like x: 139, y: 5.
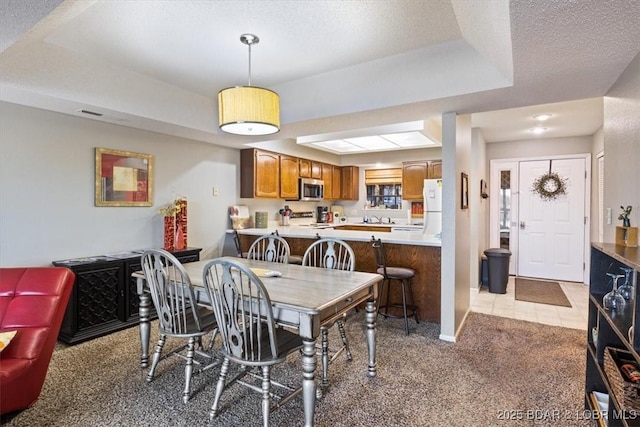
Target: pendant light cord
x: 249, y: 44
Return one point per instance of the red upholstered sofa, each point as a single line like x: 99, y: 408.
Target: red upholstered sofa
x: 32, y: 302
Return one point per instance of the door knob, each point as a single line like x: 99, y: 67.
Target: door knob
x: 522, y: 225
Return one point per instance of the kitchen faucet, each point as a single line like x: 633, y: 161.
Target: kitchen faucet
x: 379, y: 220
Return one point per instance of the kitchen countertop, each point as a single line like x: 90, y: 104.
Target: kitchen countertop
x: 401, y: 236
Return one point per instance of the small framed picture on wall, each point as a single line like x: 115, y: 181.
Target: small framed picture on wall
x: 464, y: 202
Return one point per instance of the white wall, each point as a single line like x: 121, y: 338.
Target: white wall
x: 538, y: 147
x: 479, y: 207
x: 47, y: 207
x: 622, y: 147
x: 456, y: 225
x: 596, y: 147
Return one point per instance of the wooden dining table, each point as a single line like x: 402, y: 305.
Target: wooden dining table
x: 303, y: 298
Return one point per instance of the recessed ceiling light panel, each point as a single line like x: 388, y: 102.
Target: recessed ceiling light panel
x: 409, y: 139
x: 337, y: 146
x: 399, y: 136
x: 372, y: 143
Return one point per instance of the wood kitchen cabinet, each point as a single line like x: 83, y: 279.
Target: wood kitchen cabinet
x: 327, y: 177
x: 316, y: 170
x: 259, y: 174
x: 332, y: 177
x: 337, y: 183
x: 350, y: 183
x: 434, y: 170
x: 289, y: 173
x: 414, y: 174
x: 305, y: 168
x: 310, y: 169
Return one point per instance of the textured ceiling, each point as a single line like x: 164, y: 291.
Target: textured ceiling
x: 337, y: 65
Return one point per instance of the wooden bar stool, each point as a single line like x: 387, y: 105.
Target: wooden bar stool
x: 401, y: 275
x: 236, y: 242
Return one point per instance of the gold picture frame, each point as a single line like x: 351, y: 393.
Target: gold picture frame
x: 123, y: 178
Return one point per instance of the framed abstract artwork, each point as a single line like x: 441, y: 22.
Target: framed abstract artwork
x: 123, y: 178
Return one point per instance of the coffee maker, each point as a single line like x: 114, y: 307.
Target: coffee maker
x: 323, y: 214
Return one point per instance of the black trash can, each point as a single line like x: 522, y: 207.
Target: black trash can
x: 498, y: 261
x: 484, y: 272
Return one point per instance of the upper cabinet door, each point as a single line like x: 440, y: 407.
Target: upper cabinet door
x: 288, y: 177
x: 305, y: 168
x: 316, y: 170
x: 259, y: 174
x: 267, y: 173
x: 413, y: 176
x: 337, y: 183
x: 327, y: 177
x: 350, y: 183
x: 435, y: 169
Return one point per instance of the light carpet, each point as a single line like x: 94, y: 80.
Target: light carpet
x: 497, y: 365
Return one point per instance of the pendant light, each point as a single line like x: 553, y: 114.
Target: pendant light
x: 249, y: 110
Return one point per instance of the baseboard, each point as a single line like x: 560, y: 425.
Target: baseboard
x: 448, y: 338
x: 454, y: 338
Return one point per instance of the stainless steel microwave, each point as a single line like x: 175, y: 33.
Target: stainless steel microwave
x: 311, y: 190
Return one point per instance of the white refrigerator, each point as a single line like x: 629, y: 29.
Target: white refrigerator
x: 432, y: 193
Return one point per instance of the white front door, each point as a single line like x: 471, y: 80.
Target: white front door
x: 551, y: 232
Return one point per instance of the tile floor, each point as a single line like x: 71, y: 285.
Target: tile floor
x: 505, y: 305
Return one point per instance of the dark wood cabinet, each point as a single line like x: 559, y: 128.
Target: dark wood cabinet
x: 414, y: 174
x: 618, y: 330
x: 350, y: 183
x: 259, y: 174
x: 104, y: 298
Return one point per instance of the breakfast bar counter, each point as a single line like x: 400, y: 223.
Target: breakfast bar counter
x: 403, y: 246
x: 389, y: 233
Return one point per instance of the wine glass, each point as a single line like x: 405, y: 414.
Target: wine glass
x: 626, y: 290
x: 612, y: 299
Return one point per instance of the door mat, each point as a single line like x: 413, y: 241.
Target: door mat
x: 540, y: 291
